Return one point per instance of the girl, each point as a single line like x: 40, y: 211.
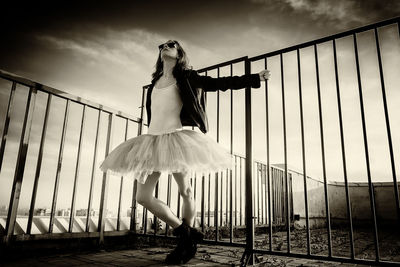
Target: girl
x: 175, y: 99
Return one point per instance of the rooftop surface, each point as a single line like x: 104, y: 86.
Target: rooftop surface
x: 207, y: 255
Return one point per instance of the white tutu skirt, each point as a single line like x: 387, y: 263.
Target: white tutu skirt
x: 178, y: 151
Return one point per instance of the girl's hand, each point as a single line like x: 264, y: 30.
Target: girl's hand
x: 264, y: 75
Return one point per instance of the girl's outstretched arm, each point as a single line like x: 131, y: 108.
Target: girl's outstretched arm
x: 232, y: 82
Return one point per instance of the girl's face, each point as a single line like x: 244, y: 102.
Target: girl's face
x: 168, y: 50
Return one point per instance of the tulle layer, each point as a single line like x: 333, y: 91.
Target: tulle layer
x: 177, y: 151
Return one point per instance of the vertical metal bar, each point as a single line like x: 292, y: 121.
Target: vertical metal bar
x: 254, y: 193
x: 133, y: 222
x: 218, y: 109
x: 134, y: 202
x: 268, y: 156
x: 262, y: 193
x: 240, y: 182
x: 216, y: 206
x: 280, y: 193
x: 342, y: 145
x: 209, y: 199
x: 236, y: 190
x: 265, y: 195
x: 121, y: 184
x: 249, y: 172
x: 93, y: 174
x: 195, y: 200
x: 285, y: 198
x: 202, y: 202
x: 195, y: 186
x: 291, y: 196
x: 303, y: 153
x: 72, y: 215
x: 38, y: 166
x: 274, y: 193
x: 59, y: 162
x: 20, y: 166
x: 104, y: 186
x: 285, y: 155
x: 144, y: 221
x: 269, y: 209
x: 178, y: 212
x: 231, y: 117
x: 227, y: 198
x: 155, y: 223
x: 388, y: 131
x: 217, y: 176
x: 321, y: 129
x: 140, y: 128
x: 231, y: 209
x: 231, y: 174
x: 7, y: 123
x: 168, y: 200
x: 221, y: 200
x: 257, y: 195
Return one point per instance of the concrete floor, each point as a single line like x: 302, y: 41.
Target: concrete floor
x: 154, y: 256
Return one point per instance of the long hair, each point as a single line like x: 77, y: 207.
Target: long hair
x: 182, y: 63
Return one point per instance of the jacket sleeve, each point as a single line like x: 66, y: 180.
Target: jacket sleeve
x: 229, y: 82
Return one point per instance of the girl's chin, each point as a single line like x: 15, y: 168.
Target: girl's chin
x: 167, y: 57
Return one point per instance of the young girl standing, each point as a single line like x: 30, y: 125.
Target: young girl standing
x: 175, y: 99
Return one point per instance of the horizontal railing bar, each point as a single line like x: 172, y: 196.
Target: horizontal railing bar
x: 223, y: 64
x: 44, y: 88
x: 326, y: 38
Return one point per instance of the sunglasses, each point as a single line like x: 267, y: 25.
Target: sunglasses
x: 170, y: 45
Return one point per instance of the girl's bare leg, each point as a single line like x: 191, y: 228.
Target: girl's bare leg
x: 144, y: 196
x: 185, y: 189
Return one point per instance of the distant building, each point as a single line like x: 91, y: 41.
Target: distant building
x: 81, y: 212
x: 64, y: 212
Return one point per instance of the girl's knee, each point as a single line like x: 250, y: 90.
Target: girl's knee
x: 187, y: 193
x: 143, y: 199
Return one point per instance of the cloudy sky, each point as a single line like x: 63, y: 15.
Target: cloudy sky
x: 106, y: 52
x: 94, y: 48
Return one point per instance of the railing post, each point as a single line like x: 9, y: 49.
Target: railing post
x: 141, y: 111
x: 104, y: 187
x: 134, y: 208
x: 92, y: 177
x: 247, y: 257
x: 7, y: 123
x: 20, y: 167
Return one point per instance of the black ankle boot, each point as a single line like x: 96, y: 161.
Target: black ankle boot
x: 179, y: 254
x: 188, y: 237
x: 195, y: 237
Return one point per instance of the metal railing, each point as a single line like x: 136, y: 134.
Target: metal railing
x: 271, y: 187
x: 252, y: 181
x: 332, y: 40
x: 42, y: 221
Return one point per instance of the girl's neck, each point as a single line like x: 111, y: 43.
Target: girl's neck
x: 168, y: 66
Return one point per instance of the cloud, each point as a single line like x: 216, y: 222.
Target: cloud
x: 340, y: 14
x: 338, y: 10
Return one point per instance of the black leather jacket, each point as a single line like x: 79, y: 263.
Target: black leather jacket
x: 191, y: 90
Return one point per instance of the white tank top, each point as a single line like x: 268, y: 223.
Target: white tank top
x: 166, y: 106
